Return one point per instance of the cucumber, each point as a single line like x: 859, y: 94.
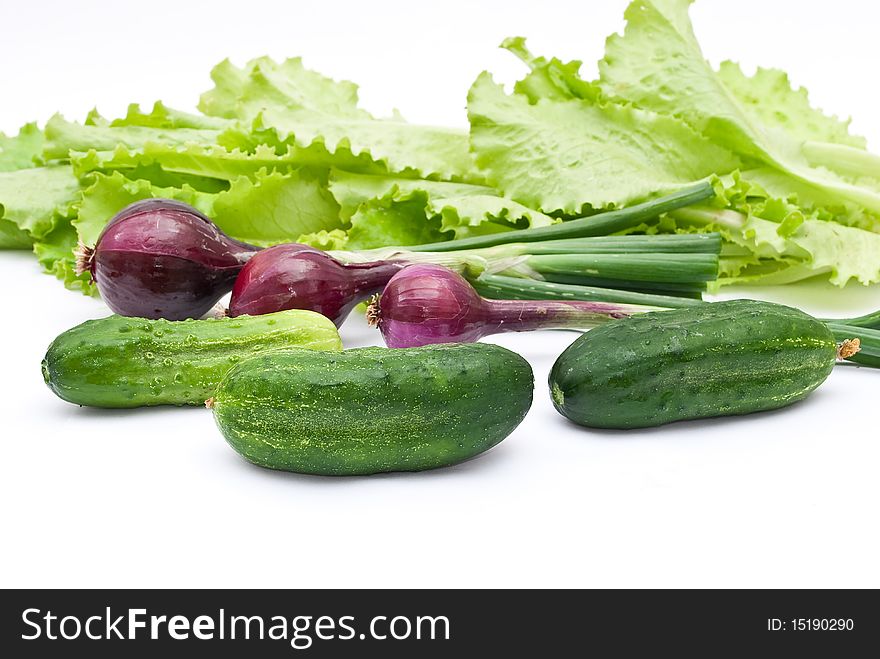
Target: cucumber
x: 131, y: 362
x: 723, y: 358
x: 371, y: 410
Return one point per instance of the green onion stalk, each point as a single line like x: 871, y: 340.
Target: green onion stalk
x: 680, y: 265
x: 581, y: 252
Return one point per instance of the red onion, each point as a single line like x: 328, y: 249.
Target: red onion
x: 295, y: 276
x: 426, y: 303
x: 163, y: 259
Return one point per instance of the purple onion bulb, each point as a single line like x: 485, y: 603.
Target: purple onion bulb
x: 425, y: 303
x: 160, y: 258
x: 295, y: 276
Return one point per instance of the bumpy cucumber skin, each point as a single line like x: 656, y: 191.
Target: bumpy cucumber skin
x: 371, y: 410
x: 133, y: 362
x: 724, y: 358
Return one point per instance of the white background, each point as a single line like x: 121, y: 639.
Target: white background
x: 154, y: 497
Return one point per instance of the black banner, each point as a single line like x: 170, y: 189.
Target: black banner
x: 418, y: 623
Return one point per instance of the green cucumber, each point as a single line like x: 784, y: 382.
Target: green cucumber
x: 132, y: 362
x: 371, y: 410
x: 723, y: 358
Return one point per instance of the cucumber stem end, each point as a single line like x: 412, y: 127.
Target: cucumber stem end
x: 848, y: 347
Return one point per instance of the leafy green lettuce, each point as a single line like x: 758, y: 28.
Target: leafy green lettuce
x: 294, y: 107
x: 798, y: 194
x: 264, y: 210
x: 23, y: 150
x: 657, y: 64
x: 279, y: 153
x: 562, y: 155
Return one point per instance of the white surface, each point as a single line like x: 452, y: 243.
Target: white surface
x: 154, y: 497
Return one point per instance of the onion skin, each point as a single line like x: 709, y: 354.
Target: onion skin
x: 163, y: 259
x: 294, y: 276
x: 425, y: 304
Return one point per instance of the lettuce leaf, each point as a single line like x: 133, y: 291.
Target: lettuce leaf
x: 292, y: 106
x: 571, y: 155
x: 805, y: 204
x: 37, y: 204
x: 107, y: 195
x: 773, y: 241
x: 275, y: 208
x: 56, y: 253
x: 161, y: 116
x: 64, y: 136
x: 657, y: 64
x: 196, y: 161
x: 769, y: 98
x: 11, y: 237
x: 846, y: 252
x: 463, y: 209
x: 34, y: 199
x: 23, y: 150
x: 389, y: 221
x: 352, y: 189
x: 270, y: 208
x: 552, y: 79
x: 263, y: 83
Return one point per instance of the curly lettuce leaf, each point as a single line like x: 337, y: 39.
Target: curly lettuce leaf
x: 63, y: 137
x: 335, y: 239
x: 109, y: 194
x: 11, y: 237
x: 771, y: 100
x: 21, y: 151
x: 56, y: 254
x: 271, y: 208
x: 300, y: 108
x: 773, y: 241
x: 34, y: 199
x: 570, y: 155
x: 657, y: 64
x: 846, y: 252
x: 161, y: 116
x: 275, y: 208
x: 415, y: 150
x: 413, y: 216
x: 193, y: 160
x: 464, y: 210
x: 816, y: 248
x: 473, y: 215
x: 263, y: 83
x: 769, y: 183
x: 18, y: 152
x: 552, y: 79
x: 388, y: 221
x: 351, y: 189
x: 252, y: 137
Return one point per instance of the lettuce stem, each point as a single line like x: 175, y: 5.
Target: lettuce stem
x: 846, y: 160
